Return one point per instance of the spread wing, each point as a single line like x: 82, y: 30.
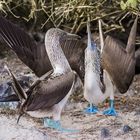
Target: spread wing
x: 119, y: 61
x: 50, y: 92
x: 119, y: 64
x: 34, y: 55
x: 74, y: 52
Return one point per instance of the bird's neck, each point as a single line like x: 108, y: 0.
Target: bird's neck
x: 57, y: 57
x: 92, y: 61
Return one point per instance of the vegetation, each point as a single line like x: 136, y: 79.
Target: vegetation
x: 71, y: 15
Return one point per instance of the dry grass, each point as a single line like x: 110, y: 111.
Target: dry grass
x: 69, y: 14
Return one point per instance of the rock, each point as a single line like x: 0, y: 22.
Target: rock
x: 137, y: 113
x: 105, y: 133
x: 2, y: 70
x: 127, y: 128
x: 6, y: 90
x: 25, y: 81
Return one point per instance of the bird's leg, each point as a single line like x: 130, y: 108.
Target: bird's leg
x: 111, y: 111
x: 55, y: 122
x: 91, y: 109
x: 50, y: 123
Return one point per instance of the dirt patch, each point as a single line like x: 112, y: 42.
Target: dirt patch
x: 90, y: 126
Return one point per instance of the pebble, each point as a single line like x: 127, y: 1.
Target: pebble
x: 105, y: 133
x: 6, y: 90
x: 137, y: 113
x: 127, y: 129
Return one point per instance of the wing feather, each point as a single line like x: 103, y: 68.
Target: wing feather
x: 50, y: 92
x: 34, y: 55
x: 118, y: 63
x: 74, y: 52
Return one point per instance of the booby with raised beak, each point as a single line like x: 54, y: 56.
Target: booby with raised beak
x: 118, y: 66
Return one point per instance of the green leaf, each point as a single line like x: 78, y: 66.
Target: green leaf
x: 123, y: 5
x: 131, y: 3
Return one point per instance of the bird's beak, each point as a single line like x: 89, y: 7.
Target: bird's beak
x: 90, y: 44
x: 101, y: 35
x: 73, y: 36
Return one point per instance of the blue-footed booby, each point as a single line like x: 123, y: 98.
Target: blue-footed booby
x: 49, y: 95
x: 118, y: 66
x: 94, y: 90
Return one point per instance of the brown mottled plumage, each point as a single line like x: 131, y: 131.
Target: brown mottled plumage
x: 119, y: 61
x: 46, y: 93
x: 50, y: 92
x: 34, y: 55
x: 49, y: 96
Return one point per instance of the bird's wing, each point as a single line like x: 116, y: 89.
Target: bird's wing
x: 118, y: 63
x: 130, y: 48
x: 74, y: 51
x: 32, y: 54
x: 50, y: 92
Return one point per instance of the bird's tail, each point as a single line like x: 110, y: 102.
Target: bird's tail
x: 21, y: 94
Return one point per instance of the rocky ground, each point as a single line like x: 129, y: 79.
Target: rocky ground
x: 91, y: 127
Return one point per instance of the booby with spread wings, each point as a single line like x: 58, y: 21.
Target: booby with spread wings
x: 49, y: 95
x: 118, y: 66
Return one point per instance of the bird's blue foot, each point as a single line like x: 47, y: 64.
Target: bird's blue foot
x: 91, y: 110
x: 111, y: 111
x: 49, y: 123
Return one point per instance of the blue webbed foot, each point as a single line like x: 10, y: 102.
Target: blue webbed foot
x: 111, y: 111
x: 91, y: 110
x: 49, y: 123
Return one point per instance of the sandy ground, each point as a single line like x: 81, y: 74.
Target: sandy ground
x: 91, y: 127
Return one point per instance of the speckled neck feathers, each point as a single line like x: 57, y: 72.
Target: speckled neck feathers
x: 92, y: 61
x: 57, y: 58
